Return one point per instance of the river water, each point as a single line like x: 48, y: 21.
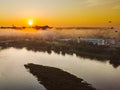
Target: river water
x: 14, y: 76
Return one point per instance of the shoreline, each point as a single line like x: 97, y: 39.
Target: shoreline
x: 85, y: 50
x: 57, y: 79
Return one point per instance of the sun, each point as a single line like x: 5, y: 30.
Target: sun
x: 30, y: 22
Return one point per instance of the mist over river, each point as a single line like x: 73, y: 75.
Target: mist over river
x: 102, y: 75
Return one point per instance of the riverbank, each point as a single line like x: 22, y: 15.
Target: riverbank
x: 57, y: 79
x: 85, y: 50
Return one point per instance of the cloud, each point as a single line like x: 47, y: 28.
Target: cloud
x: 117, y: 7
x: 101, y: 2
x: 93, y: 2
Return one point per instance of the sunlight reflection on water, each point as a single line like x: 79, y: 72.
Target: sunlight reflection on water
x: 13, y: 75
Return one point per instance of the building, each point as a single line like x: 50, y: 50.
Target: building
x: 98, y: 41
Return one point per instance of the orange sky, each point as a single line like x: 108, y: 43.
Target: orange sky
x: 60, y: 12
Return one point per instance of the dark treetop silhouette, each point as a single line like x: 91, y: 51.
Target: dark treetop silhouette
x: 86, y: 50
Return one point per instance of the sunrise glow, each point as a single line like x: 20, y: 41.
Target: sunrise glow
x: 60, y: 13
x: 30, y: 22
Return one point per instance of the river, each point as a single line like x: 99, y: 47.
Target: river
x: 14, y: 76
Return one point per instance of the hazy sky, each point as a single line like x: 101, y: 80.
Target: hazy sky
x: 60, y: 12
